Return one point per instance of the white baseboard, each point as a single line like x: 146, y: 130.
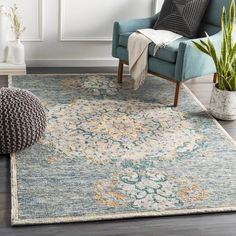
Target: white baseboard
x: 85, y: 62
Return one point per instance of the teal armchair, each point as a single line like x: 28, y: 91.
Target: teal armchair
x: 180, y: 60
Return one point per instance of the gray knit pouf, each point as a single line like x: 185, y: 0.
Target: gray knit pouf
x: 22, y: 119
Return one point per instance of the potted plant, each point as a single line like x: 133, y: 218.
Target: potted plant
x: 17, y: 50
x: 223, y: 98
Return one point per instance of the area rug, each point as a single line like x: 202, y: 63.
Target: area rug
x: 110, y: 152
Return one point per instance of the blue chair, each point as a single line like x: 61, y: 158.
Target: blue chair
x: 180, y: 60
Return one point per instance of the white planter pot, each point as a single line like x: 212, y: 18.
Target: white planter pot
x: 4, y: 30
x: 223, y: 104
x: 18, y: 53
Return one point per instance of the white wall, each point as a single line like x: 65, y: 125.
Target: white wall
x: 75, y: 32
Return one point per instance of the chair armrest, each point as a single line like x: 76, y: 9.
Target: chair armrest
x: 130, y: 26
x: 135, y: 24
x: 191, y: 62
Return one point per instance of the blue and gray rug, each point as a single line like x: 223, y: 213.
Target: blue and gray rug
x: 110, y: 152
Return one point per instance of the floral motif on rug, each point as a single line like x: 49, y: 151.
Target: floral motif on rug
x: 111, y: 152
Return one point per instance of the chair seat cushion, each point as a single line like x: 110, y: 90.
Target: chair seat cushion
x: 155, y: 65
x: 169, y: 53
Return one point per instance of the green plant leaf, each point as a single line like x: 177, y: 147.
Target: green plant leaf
x: 224, y: 50
x: 201, y: 48
x: 232, y: 15
x: 212, y: 51
x: 233, y: 53
x: 203, y: 42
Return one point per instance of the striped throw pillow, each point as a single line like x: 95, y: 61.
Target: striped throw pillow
x: 182, y: 16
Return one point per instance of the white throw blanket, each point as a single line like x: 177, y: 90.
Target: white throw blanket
x: 138, y: 50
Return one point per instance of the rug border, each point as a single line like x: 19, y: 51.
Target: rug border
x: 15, y: 221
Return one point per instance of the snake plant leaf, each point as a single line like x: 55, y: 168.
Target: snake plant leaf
x: 224, y: 22
x: 232, y: 15
x: 224, y: 17
x: 224, y: 50
x: 233, y: 53
x: 227, y: 84
x: 212, y: 51
x: 227, y: 30
x: 203, y: 42
x: 201, y: 48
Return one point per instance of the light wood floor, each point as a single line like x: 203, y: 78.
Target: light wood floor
x: 223, y: 224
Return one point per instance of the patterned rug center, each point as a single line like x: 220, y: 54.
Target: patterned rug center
x: 104, y: 130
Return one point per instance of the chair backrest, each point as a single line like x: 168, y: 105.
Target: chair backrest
x: 212, y: 20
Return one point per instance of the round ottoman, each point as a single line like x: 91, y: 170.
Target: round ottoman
x: 22, y: 119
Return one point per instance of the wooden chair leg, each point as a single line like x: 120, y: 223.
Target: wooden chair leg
x: 215, y: 78
x: 120, y: 72
x: 177, y: 90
